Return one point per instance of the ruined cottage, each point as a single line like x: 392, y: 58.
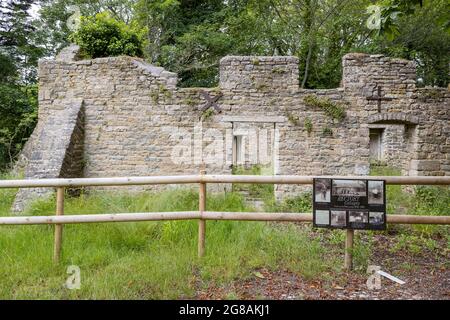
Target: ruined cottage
x: 120, y: 116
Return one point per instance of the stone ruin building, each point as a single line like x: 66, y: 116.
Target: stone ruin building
x: 120, y: 116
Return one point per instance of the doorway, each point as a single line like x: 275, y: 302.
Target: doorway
x: 376, y: 144
x: 253, y: 145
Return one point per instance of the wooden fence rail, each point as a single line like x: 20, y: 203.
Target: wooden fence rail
x: 205, y: 215
x: 201, y: 215
x: 152, y: 180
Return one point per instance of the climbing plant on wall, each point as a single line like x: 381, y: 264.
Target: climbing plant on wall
x: 332, y: 109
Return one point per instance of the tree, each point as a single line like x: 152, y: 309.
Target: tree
x: 321, y: 32
x: 391, y: 11
x: 54, y: 14
x: 190, y: 36
x: 185, y: 36
x: 423, y: 37
x: 104, y: 36
x: 18, y: 58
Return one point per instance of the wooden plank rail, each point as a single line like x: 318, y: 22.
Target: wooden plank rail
x: 193, y: 179
x: 206, y: 215
x: 201, y: 215
x: 98, y: 218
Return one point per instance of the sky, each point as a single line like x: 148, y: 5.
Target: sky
x: 34, y: 10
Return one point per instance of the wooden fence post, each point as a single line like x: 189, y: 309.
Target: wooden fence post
x: 202, y: 222
x: 349, y: 249
x: 58, y: 227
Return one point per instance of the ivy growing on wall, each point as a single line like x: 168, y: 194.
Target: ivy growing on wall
x: 332, y: 109
x: 155, y: 96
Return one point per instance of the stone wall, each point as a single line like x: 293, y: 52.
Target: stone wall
x: 431, y: 154
x: 56, y: 148
x: 256, y: 74
x: 136, y: 122
x: 416, y: 120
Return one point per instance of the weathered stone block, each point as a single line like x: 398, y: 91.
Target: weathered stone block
x: 425, y: 165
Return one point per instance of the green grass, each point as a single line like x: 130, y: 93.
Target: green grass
x: 300, y: 203
x: 6, y: 195
x: 416, y: 200
x: 419, y: 200
x: 148, y: 260
x: 262, y: 191
x: 156, y: 260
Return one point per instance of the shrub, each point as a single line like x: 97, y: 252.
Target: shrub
x: 104, y: 36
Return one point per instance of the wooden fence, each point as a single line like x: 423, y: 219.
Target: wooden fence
x: 201, y: 215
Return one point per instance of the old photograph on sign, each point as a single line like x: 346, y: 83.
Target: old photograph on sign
x: 358, y: 217
x: 349, y: 188
x: 338, y: 218
x: 376, y: 217
x: 322, y: 217
x: 322, y: 190
x: 376, y: 192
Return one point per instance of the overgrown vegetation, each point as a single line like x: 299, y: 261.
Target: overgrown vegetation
x: 261, y: 191
x: 326, y: 131
x: 18, y: 116
x: 308, y: 125
x: 292, y: 118
x: 208, y: 113
x: 420, y: 200
x: 301, y: 203
x: 332, y: 109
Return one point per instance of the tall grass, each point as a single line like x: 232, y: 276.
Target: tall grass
x: 418, y: 200
x: 149, y: 260
x: 6, y: 195
x: 257, y: 190
x: 154, y: 260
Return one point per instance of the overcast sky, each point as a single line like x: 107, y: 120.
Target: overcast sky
x: 34, y: 10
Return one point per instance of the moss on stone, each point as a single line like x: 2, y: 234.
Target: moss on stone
x: 327, y: 131
x: 190, y: 102
x: 208, y: 113
x: 308, y: 125
x: 293, y: 118
x: 155, y: 96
